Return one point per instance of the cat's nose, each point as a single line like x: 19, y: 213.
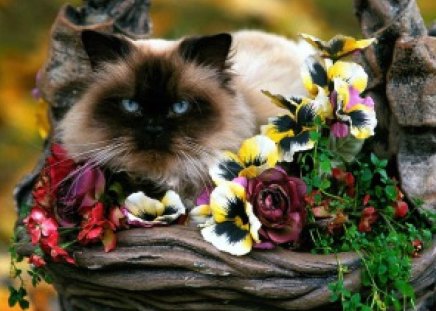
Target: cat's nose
x: 153, y: 129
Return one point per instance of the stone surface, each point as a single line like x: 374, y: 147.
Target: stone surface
x: 411, y: 85
x: 386, y: 20
x: 417, y: 165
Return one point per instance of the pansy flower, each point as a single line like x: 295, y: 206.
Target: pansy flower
x: 143, y: 211
x: 353, y: 113
x: 255, y: 155
x: 349, y: 113
x: 291, y: 131
x: 339, y: 46
x: 233, y: 227
x: 318, y: 74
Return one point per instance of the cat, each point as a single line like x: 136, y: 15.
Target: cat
x: 162, y: 110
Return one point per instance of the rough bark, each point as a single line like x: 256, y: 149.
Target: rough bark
x: 174, y: 268
x: 402, y: 70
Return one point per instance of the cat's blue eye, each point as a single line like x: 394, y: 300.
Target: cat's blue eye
x: 181, y: 107
x: 130, y: 106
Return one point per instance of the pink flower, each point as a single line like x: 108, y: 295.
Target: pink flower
x: 59, y: 254
x: 40, y: 225
x: 278, y: 202
x: 37, y: 261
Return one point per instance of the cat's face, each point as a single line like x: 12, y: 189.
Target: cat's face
x: 157, y: 109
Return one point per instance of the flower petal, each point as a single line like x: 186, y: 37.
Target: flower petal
x: 363, y: 122
x: 281, y: 102
x: 280, y: 127
x: 258, y: 151
x: 338, y: 46
x: 351, y: 73
x: 200, y: 215
x: 227, y: 168
x: 351, y: 44
x: 360, y: 116
x: 174, y: 208
x: 134, y: 221
x: 314, y: 74
x: 228, y: 237
x: 255, y: 223
x: 288, y: 146
x: 142, y: 206
x: 227, y: 202
x: 109, y: 240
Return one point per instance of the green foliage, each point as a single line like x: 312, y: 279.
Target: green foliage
x: 385, y: 247
x: 18, y: 294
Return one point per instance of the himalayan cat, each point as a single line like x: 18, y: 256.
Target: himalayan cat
x: 162, y: 111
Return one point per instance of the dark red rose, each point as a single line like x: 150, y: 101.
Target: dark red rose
x: 278, y: 202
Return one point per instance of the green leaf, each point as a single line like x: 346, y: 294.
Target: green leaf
x: 374, y: 159
x: 405, y: 288
x: 314, y: 135
x: 391, y: 192
x: 24, y: 304
x: 383, y: 163
x: 325, y: 166
x: 382, y: 269
x: 13, y: 296
x: 366, y: 174
x: 346, y: 148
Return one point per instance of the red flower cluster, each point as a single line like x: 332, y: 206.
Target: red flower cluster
x: 369, y: 217
x: 96, y: 227
x: 345, y: 178
x: 67, y: 195
x: 57, y: 168
x: 43, y: 230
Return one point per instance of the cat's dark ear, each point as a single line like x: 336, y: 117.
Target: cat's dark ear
x: 207, y: 50
x: 102, y: 47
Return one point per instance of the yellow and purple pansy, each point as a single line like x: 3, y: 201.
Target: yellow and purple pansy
x: 337, y: 47
x: 143, y: 211
x: 255, y: 155
x: 230, y: 225
x: 350, y: 113
x: 354, y: 114
x: 318, y: 74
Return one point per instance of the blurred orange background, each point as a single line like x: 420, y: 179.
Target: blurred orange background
x: 24, y: 29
